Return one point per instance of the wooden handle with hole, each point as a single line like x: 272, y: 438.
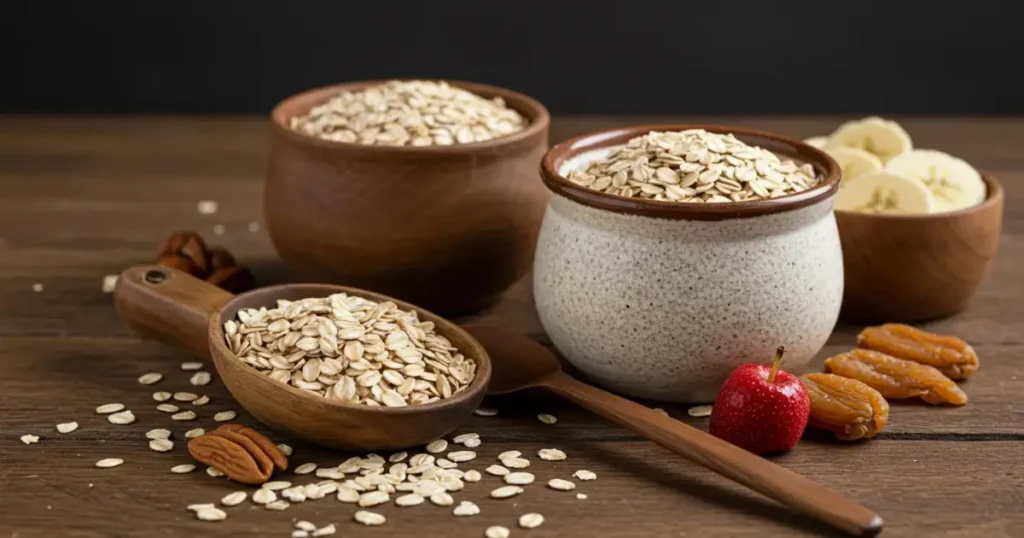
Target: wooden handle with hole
x: 751, y: 470
x: 169, y: 306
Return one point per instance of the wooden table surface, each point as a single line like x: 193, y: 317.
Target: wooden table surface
x: 84, y: 197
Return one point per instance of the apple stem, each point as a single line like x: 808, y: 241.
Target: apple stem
x: 775, y: 365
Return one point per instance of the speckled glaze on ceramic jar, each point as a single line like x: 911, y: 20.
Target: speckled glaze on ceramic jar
x: 662, y: 300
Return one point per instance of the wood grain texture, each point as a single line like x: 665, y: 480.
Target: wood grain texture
x: 84, y: 197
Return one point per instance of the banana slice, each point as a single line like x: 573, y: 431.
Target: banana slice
x: 884, y: 138
x: 816, y: 141
x: 854, y: 162
x: 885, y: 192
x: 954, y: 183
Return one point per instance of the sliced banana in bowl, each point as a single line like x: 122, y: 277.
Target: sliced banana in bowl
x: 885, y: 192
x: 854, y: 162
x: 883, y: 138
x: 953, y: 183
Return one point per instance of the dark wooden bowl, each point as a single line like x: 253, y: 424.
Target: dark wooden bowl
x: 175, y: 308
x: 446, y: 227
x: 906, y: 268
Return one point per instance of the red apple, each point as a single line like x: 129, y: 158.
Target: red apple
x: 761, y: 409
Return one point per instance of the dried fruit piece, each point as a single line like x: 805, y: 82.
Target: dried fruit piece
x: 896, y: 378
x: 846, y: 407
x: 187, y: 245
x: 949, y: 354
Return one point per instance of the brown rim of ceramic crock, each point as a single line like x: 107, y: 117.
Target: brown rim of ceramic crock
x: 778, y: 144
x: 993, y: 196
x: 301, y: 103
x: 262, y: 296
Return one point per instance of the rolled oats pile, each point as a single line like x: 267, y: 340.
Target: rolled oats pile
x: 351, y: 349
x: 694, y: 166
x: 410, y: 113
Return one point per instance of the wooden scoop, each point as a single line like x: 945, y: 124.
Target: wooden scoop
x: 521, y: 363
x: 178, y: 309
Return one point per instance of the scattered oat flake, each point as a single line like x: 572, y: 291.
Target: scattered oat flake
x: 158, y: 433
x: 183, y: 468
x: 437, y: 446
x: 305, y: 468
x: 206, y: 207
x: 277, y: 485
x: 185, y: 396
x: 347, y: 495
x: 472, y: 476
x: 699, y: 411
x: 29, y: 439
x: 485, y: 412
x: 369, y: 518
x: 200, y: 401
x: 305, y: 526
x: 224, y: 416
x: 410, y: 499
x: 67, y: 427
x: 124, y: 417
x: 218, y: 229
x: 162, y: 396
x: 325, y: 531
x: 398, y: 457
x: 214, y: 472
x: 497, y: 531
x: 150, y: 378
x: 168, y: 408
x: 194, y: 432
x: 581, y: 496
x: 585, y: 475
x: 561, y: 485
x: 497, y: 470
x: 161, y: 445
x: 531, y: 521
x: 254, y: 226
x: 461, y: 456
x: 509, y: 454
x: 505, y: 492
x: 551, y: 454
x: 285, y: 449
x: 197, y: 507
x: 516, y: 463
x: 211, y: 514
x: 519, y: 479
x: 184, y: 415
x: 191, y: 366
x: 472, y: 443
x: 264, y: 496
x: 461, y: 439
x: 200, y: 378
x: 277, y: 505
x: 547, y: 419
x: 37, y: 287
x: 109, y: 462
x: 109, y: 283
x: 466, y: 508
x: 109, y: 408
x: 442, y: 499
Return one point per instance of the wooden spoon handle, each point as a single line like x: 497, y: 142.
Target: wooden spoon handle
x: 169, y: 305
x: 751, y: 470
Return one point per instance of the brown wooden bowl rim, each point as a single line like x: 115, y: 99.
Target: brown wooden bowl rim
x: 529, y: 107
x: 477, y: 353
x: 993, y: 197
x: 560, y: 153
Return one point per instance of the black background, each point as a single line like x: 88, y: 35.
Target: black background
x: 597, y: 57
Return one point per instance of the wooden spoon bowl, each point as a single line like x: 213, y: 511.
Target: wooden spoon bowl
x: 178, y: 309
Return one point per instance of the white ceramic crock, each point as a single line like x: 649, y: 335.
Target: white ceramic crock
x: 662, y: 300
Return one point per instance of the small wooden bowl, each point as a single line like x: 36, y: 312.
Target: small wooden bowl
x: 175, y: 308
x: 446, y: 227
x: 907, y: 268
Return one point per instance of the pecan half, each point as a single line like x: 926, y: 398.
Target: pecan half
x: 228, y: 457
x: 266, y: 445
x: 189, y: 245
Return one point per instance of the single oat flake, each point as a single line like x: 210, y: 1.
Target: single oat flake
x: 67, y: 427
x: 369, y: 518
x: 109, y: 462
x: 531, y: 521
x: 699, y: 411
x: 29, y: 439
x: 547, y: 419
x: 109, y: 283
x: 497, y: 532
x: 183, y: 468
x: 109, y: 408
x: 206, y: 207
x: 123, y: 417
x: 150, y: 378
